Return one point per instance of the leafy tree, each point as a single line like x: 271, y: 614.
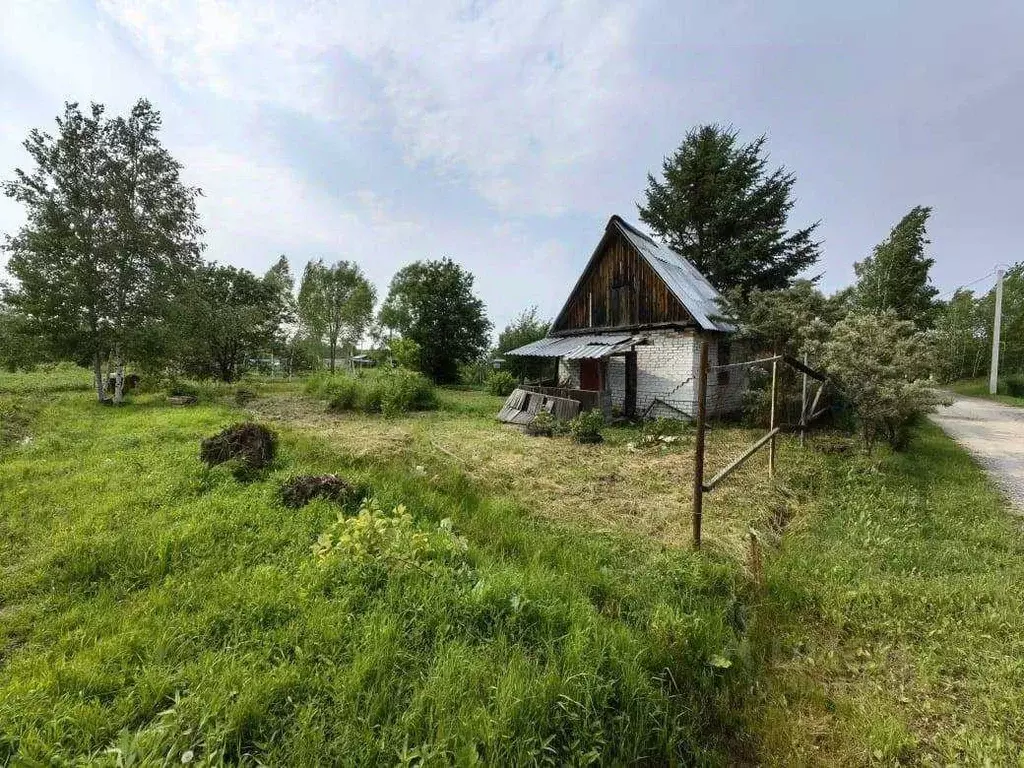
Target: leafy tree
x: 336, y: 304
x: 720, y: 206
x: 895, y: 276
x: 1011, y: 348
x: 881, y: 362
x: 405, y: 353
x: 111, y: 233
x: 432, y: 303
x: 527, y: 327
x: 230, y: 316
x: 963, y: 337
x: 19, y: 346
x: 795, y: 320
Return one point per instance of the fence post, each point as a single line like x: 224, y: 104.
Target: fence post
x: 771, y: 423
x: 803, y: 406
x: 698, y: 454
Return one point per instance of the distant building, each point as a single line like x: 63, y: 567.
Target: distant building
x: 631, y: 327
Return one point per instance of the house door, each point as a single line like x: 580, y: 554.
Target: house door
x: 590, y: 375
x: 629, y: 406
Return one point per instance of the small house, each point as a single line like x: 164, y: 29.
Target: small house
x: 628, y: 338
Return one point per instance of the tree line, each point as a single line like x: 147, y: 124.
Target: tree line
x: 108, y: 271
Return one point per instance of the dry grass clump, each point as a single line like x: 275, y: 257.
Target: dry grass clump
x: 298, y: 491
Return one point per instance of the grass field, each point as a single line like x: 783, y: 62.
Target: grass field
x: 979, y: 388
x: 155, y: 611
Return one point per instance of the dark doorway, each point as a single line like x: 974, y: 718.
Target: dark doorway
x: 590, y: 375
x: 629, y: 406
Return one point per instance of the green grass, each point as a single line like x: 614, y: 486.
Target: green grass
x: 46, y: 379
x: 150, y: 607
x: 979, y: 388
x: 895, y: 617
x: 155, y: 607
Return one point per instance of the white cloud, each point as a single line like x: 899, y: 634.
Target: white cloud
x: 522, y: 99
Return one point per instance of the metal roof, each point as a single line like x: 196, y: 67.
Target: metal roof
x: 689, y: 286
x: 591, y: 346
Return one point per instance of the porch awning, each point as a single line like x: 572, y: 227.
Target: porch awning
x: 593, y: 346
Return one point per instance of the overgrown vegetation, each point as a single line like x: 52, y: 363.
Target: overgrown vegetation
x: 390, y: 391
x: 587, y: 426
x: 501, y: 383
x: 186, y: 617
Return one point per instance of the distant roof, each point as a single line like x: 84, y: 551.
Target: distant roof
x: 693, y: 290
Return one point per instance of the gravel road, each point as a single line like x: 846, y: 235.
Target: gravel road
x: 994, y: 434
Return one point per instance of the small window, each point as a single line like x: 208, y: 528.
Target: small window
x: 724, y: 358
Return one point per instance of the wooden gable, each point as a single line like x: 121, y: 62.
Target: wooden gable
x: 619, y: 289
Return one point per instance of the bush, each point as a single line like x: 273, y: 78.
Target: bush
x: 543, y: 424
x: 252, y: 446
x: 586, y: 428
x: 1014, y: 386
x: 179, y: 388
x: 881, y: 364
x: 501, y: 383
x: 388, y: 391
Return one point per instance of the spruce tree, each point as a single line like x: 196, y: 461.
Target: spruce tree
x: 720, y: 206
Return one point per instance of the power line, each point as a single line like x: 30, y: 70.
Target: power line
x: 967, y: 285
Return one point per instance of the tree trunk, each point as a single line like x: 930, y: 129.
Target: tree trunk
x: 334, y: 352
x: 118, y: 375
x: 97, y: 369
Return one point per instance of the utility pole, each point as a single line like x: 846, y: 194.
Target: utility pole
x: 993, y: 376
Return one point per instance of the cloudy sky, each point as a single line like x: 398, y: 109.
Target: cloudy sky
x: 504, y: 133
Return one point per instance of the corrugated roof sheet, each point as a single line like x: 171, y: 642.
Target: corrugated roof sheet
x: 594, y: 345
x: 700, y: 298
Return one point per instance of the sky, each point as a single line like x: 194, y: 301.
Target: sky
x: 504, y: 134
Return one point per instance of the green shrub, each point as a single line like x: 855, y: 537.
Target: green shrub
x: 390, y: 391
x: 543, y: 424
x: 1014, y: 385
x: 404, y: 390
x: 501, y: 383
x: 179, y: 388
x: 586, y: 428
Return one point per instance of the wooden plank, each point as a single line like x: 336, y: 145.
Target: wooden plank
x: 790, y: 360
x: 738, y: 461
x: 698, y: 458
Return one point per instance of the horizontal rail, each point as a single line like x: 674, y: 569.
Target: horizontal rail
x: 760, y: 361
x: 793, y: 362
x: 736, y: 463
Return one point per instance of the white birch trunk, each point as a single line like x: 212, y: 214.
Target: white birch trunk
x: 118, y: 375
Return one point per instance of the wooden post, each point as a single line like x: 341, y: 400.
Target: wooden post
x: 771, y: 423
x: 698, y: 454
x: 803, y: 406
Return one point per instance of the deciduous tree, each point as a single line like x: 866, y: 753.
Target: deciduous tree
x: 432, y: 303
x: 527, y: 327
x: 895, y: 276
x: 111, y: 232
x: 336, y: 304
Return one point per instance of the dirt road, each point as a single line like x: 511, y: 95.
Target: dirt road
x: 994, y: 434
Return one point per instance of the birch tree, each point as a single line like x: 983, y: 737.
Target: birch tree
x: 110, y: 230
x: 335, y: 304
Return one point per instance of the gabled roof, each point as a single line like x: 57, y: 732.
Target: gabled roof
x: 693, y: 290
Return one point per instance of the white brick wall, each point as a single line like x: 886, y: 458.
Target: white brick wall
x: 666, y: 371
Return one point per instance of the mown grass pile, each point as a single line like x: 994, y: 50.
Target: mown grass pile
x: 390, y: 391
x: 157, y: 610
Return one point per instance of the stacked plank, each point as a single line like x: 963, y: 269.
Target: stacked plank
x: 522, y: 406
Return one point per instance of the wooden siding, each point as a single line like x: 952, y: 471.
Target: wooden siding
x: 621, y: 290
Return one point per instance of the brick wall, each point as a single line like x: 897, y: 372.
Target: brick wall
x: 666, y: 371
